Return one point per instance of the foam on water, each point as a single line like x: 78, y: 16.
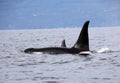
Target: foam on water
x: 104, y: 50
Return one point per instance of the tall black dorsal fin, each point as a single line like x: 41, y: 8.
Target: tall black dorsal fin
x: 83, y: 39
x: 63, y: 44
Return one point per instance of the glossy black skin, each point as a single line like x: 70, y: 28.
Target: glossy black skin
x: 82, y: 44
x: 54, y: 50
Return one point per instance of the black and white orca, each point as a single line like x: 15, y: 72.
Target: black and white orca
x: 80, y: 47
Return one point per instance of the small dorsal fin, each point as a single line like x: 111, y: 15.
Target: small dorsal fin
x: 83, y: 39
x: 63, y: 44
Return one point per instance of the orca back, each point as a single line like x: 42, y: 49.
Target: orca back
x: 83, y: 39
x: 63, y: 44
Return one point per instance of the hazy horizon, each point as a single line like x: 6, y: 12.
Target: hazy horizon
x: 29, y: 14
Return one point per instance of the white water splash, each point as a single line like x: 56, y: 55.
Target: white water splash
x: 104, y: 50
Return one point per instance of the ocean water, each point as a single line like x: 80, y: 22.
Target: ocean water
x: 19, y: 67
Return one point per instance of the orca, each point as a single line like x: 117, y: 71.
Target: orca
x: 80, y: 47
x: 63, y: 44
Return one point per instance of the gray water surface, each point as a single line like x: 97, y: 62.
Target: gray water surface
x: 18, y: 67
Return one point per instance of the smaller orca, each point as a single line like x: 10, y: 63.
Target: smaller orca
x: 63, y: 44
x: 80, y: 47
